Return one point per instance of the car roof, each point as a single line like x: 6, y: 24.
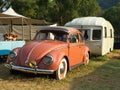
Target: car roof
x: 61, y: 28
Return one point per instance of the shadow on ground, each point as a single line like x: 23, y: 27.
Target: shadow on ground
x: 5, y: 74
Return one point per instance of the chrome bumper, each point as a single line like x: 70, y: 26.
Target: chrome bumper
x: 29, y: 70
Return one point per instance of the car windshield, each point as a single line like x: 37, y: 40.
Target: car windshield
x: 51, y: 35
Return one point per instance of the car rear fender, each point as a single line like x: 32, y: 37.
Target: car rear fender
x: 86, y: 52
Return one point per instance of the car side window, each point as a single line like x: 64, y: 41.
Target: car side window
x: 73, y: 38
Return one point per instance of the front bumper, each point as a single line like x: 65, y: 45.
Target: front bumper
x: 29, y: 70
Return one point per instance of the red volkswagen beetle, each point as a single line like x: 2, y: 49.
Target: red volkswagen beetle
x: 54, y: 50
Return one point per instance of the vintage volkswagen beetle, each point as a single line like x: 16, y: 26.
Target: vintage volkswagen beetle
x: 54, y: 50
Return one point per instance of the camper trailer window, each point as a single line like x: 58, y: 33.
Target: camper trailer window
x: 111, y: 33
x: 85, y: 35
x: 96, y: 35
x: 105, y: 32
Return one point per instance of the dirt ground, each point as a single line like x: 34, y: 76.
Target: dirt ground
x: 115, y: 54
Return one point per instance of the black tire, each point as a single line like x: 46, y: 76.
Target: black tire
x: 62, y: 70
x: 13, y: 71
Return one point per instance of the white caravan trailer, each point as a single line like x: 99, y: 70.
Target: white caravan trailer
x: 98, y: 33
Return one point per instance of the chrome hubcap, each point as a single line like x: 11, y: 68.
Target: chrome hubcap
x: 62, y: 68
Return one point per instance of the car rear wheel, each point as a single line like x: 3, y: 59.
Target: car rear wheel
x: 62, y: 69
x: 87, y: 59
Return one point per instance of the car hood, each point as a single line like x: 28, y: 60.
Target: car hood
x: 35, y: 50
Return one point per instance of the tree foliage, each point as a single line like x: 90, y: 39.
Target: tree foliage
x: 60, y: 11
x: 69, y: 9
x: 89, y: 8
x: 25, y: 7
x: 106, y: 4
x: 42, y: 12
x: 113, y: 15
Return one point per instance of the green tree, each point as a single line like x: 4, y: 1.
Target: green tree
x: 60, y: 11
x: 89, y: 8
x: 53, y: 12
x: 106, y: 4
x: 113, y: 15
x: 69, y: 9
x: 25, y: 7
x: 42, y: 12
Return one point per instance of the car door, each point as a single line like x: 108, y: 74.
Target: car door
x: 76, y: 49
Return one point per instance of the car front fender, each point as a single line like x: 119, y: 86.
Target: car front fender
x: 58, y: 56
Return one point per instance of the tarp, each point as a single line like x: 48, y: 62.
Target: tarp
x: 10, y: 15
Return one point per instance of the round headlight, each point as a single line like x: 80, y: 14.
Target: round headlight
x: 12, y: 55
x: 47, y: 60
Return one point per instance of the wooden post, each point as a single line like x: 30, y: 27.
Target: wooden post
x: 11, y: 26
x: 30, y: 29
x: 22, y: 30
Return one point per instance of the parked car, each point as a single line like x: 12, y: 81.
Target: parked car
x: 54, y: 50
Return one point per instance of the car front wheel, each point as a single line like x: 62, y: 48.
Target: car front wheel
x: 62, y: 69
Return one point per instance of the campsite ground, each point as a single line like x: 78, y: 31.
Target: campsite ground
x: 102, y: 73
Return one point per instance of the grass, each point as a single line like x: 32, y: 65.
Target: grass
x: 100, y: 58
x: 98, y: 75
